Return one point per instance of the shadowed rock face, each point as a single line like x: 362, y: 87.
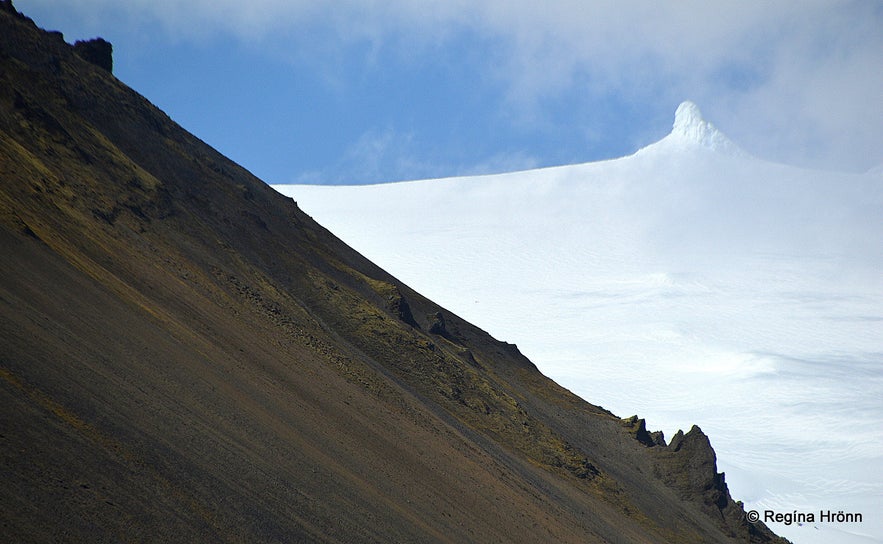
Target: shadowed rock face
x: 97, y: 51
x: 186, y: 356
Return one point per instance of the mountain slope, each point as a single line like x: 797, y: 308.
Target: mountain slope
x: 186, y: 356
x: 688, y: 282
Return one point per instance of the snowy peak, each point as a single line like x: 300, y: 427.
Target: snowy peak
x: 690, y: 129
x: 689, y: 123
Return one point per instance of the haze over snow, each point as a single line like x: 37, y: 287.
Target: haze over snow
x: 356, y: 91
x: 687, y: 283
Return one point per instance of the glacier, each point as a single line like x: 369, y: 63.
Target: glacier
x: 688, y: 283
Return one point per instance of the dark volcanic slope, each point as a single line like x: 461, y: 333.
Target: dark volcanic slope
x: 186, y: 356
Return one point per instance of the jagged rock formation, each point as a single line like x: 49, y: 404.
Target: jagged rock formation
x: 689, y: 466
x: 638, y: 428
x: 98, y: 51
x: 187, y: 357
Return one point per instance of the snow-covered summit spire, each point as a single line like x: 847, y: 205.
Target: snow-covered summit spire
x: 691, y: 131
x: 690, y: 127
x: 690, y: 123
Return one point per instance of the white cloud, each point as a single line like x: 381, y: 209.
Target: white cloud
x: 377, y: 155
x: 799, y: 79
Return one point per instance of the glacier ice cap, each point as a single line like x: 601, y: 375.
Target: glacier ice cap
x: 690, y: 127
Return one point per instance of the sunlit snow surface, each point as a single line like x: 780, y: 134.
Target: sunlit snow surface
x: 687, y: 283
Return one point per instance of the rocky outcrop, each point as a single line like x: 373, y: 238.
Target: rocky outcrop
x: 658, y: 438
x: 98, y: 51
x: 399, y: 306
x: 638, y: 428
x: 692, y: 466
x: 437, y: 325
x: 689, y: 465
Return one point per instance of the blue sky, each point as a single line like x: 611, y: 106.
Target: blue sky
x: 354, y: 91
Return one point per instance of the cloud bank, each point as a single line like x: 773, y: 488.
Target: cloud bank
x: 794, y: 82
